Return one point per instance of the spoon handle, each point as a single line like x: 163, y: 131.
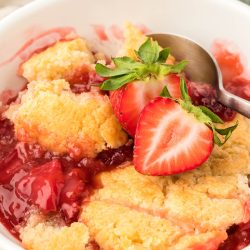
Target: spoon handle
x: 234, y: 102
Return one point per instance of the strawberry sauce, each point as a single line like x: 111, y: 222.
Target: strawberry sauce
x: 41, y: 42
x: 83, y: 79
x: 235, y: 76
x: 204, y: 94
x: 238, y: 237
x: 31, y: 177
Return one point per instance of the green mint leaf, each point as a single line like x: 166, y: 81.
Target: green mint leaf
x: 165, y: 92
x: 214, y: 118
x: 107, y: 72
x: 184, y: 91
x: 149, y: 51
x: 179, y: 67
x: 163, y: 55
x: 118, y: 81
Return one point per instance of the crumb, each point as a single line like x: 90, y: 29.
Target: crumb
x: 40, y: 234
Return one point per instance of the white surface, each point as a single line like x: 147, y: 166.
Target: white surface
x: 203, y: 21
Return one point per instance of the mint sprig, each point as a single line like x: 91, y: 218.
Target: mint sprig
x: 151, y: 63
x: 202, y: 113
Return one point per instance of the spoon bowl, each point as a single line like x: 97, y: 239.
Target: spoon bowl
x: 202, y: 68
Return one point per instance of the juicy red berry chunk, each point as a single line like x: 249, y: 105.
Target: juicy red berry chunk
x: 93, y: 245
x: 82, y: 80
x: 32, y: 154
x: 7, y: 138
x: 9, y: 166
x: 238, y: 237
x: 42, y: 186
x: 114, y: 157
x: 54, y: 183
x: 93, y: 166
x: 204, y: 94
x: 72, y: 193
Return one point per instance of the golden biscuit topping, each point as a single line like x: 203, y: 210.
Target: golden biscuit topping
x: 57, y: 61
x: 60, y: 121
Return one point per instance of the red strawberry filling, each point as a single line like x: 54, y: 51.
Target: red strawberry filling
x: 239, y: 237
x: 82, y: 79
x: 32, y: 177
x: 42, y: 186
x: 204, y: 94
x: 72, y: 193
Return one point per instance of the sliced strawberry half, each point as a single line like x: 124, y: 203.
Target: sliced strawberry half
x: 129, y: 100
x: 169, y: 140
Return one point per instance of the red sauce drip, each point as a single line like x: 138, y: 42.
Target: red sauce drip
x: 31, y: 176
x: 83, y: 79
x: 238, y: 237
x: 93, y: 246
x: 100, y: 32
x: 41, y: 42
x: 232, y: 69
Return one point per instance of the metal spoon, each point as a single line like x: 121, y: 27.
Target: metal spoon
x: 202, y: 67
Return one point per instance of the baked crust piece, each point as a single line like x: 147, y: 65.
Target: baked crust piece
x: 63, y: 122
x: 57, y: 61
x: 43, y: 234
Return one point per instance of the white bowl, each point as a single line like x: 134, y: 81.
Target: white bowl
x: 203, y: 21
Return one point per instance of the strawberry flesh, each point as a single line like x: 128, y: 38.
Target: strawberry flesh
x: 42, y: 185
x: 169, y: 140
x: 72, y: 193
x: 129, y: 100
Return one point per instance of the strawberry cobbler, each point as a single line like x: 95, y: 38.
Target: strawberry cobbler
x: 123, y: 153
